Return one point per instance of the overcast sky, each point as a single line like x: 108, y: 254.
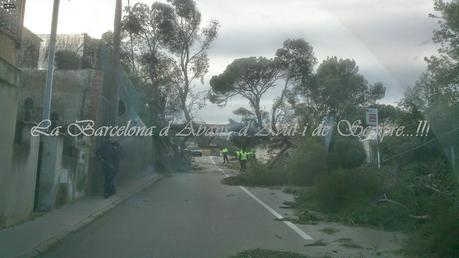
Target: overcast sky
x: 388, y: 38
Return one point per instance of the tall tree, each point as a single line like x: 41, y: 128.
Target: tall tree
x: 443, y: 69
x: 436, y: 94
x: 155, y: 35
x: 296, y: 60
x: 189, y: 42
x: 171, y: 45
x: 148, y: 59
x: 341, y: 89
x: 248, y: 77
x: 248, y: 117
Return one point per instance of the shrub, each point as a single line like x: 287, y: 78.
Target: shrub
x: 257, y: 175
x: 307, y: 162
x: 387, y: 216
x: 345, y: 190
x: 346, y: 152
x: 434, y: 190
x: 438, y: 237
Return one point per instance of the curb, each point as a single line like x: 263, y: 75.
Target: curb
x: 52, y: 241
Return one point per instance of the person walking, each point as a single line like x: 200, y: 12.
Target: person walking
x: 110, y: 153
x: 225, y: 155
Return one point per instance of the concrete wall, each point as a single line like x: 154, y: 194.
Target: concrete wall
x: 8, y: 107
x: 65, y: 168
x: 50, y: 171
x: 64, y: 171
x: 9, y: 81
x: 19, y: 192
x: 73, y: 167
x: 8, y: 100
x: 8, y: 49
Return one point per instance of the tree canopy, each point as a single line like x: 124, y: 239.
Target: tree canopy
x: 296, y: 60
x: 248, y: 77
x: 339, y: 89
x: 170, y: 42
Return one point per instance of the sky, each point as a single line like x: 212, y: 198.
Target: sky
x: 387, y: 38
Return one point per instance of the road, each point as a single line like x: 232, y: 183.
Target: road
x: 189, y: 215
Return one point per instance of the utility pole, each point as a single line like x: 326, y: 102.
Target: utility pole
x: 44, y: 147
x: 114, y: 85
x: 116, y: 58
x: 51, y: 54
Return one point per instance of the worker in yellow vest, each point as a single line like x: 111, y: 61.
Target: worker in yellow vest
x: 225, y: 155
x: 243, y: 156
x: 237, y: 155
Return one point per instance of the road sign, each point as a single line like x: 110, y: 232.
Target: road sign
x: 373, y: 120
x: 372, y: 116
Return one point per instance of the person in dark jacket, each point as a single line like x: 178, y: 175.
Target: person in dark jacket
x: 110, y: 153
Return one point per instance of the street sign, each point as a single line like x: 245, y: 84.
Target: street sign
x: 372, y: 116
x: 373, y: 120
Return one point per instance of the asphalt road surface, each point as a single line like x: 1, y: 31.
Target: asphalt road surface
x: 182, y: 215
x: 194, y: 215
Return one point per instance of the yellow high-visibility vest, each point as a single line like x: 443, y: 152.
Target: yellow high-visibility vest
x: 243, y: 155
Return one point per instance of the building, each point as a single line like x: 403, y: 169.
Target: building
x: 68, y: 168
x: 18, y: 155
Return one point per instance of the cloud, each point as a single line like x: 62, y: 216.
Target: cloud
x: 387, y: 38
